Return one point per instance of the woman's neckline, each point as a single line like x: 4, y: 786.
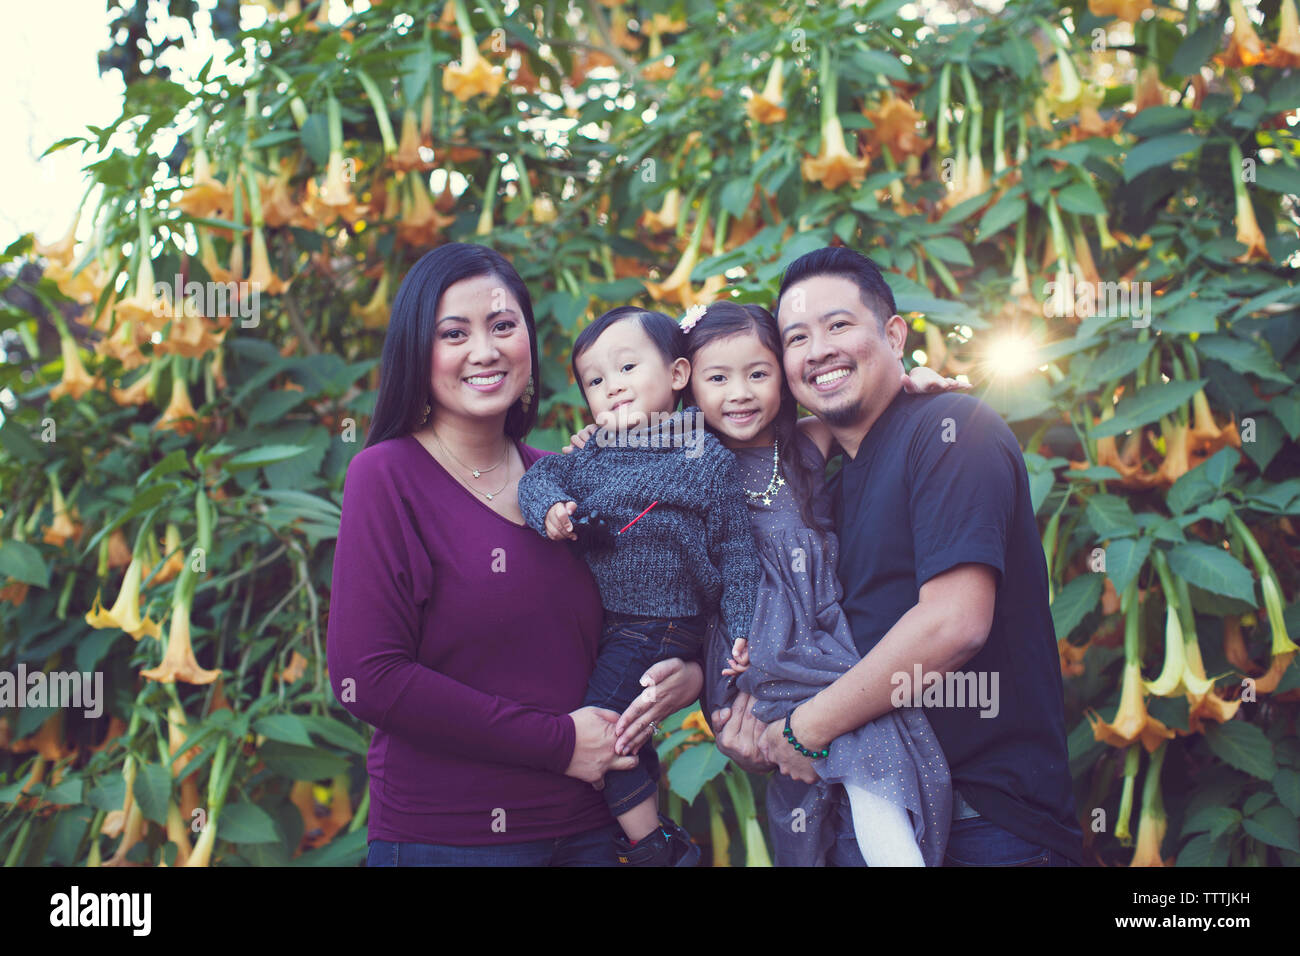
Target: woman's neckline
x: 519, y: 446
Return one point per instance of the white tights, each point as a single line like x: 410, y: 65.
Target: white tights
x: 883, y: 829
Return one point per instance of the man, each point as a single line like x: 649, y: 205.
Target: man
x: 945, y: 584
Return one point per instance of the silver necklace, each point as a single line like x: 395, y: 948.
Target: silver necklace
x: 489, y: 495
x: 768, y: 493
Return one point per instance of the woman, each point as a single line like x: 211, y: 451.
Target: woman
x: 464, y: 637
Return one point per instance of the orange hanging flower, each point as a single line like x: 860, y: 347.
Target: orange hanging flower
x: 1132, y: 722
x: 179, y: 663
x: 472, y: 75
x: 1244, y: 47
x: 407, y: 156
x: 208, y: 196
x: 76, y: 380
x: 60, y: 251
x: 834, y: 165
x: 894, y: 124
x: 1128, y: 10
x: 179, y: 415
x: 768, y: 106
x: 260, y: 276
x: 374, y: 314
x: 125, y: 612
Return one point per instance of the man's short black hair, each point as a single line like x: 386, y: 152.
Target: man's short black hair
x: 873, y: 290
x: 663, y: 331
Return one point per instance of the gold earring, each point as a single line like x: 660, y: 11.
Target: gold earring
x: 527, y: 398
x: 427, y: 410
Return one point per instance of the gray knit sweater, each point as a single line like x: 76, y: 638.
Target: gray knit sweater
x: 692, y: 553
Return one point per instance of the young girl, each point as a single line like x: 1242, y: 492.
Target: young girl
x: 892, y: 770
x: 664, y: 530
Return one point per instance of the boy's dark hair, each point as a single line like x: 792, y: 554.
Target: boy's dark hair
x: 663, y: 331
x: 854, y: 266
x: 721, y: 321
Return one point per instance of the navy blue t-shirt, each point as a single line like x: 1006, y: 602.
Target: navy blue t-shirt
x: 940, y: 481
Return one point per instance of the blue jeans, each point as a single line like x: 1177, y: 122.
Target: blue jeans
x: 980, y: 842
x: 593, y: 848
x: 629, y: 644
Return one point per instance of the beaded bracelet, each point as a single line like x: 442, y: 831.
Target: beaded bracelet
x: 789, y: 735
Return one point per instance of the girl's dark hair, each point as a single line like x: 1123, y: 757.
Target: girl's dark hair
x: 663, y: 331
x: 408, y: 346
x: 724, y: 319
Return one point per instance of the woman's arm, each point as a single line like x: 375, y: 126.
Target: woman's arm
x: 380, y: 578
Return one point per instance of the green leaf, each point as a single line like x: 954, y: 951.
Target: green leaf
x: 301, y: 763
x: 344, y: 850
x: 872, y: 62
x: 1202, y: 851
x: 949, y: 250
x: 16, y: 441
x: 174, y: 461
x: 1074, y: 601
x: 1286, y: 784
x: 246, y: 823
x: 1286, y: 409
x: 21, y: 561
x: 1243, y: 746
x: 153, y: 786
x: 335, y: 732
x: 1275, y: 826
x: 1081, y: 198
x: 1158, y: 120
x: 257, y: 457
x: 1216, y: 821
x: 1157, y: 152
x: 1203, y: 482
x: 1146, y: 405
x: 1261, y: 438
x: 1007, y: 210
x: 1213, y: 570
x: 284, y: 727
x: 1279, y: 178
x: 1196, y: 49
x: 1241, y: 356
x: 109, y: 794
x: 693, y: 768
x: 1111, y: 517
x: 274, y: 404
x: 1124, y: 559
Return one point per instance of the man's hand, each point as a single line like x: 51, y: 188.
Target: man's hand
x: 774, y: 747
x: 736, y: 732
x: 558, y: 525
x: 926, y: 381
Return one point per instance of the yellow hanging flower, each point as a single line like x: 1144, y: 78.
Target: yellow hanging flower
x: 1132, y: 722
x: 179, y: 662
x: 125, y: 612
x: 1128, y: 10
x: 768, y: 106
x: 65, y: 525
x: 374, y: 314
x: 473, y: 75
x: 144, y: 305
x: 60, y: 251
x: 668, y: 214
x: 1248, y: 231
x: 834, y: 165
x: 260, y: 276
x: 76, y: 380
x: 1244, y: 47
x: 208, y: 196
x: 179, y: 415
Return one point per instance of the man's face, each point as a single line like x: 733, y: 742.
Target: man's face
x: 836, y: 359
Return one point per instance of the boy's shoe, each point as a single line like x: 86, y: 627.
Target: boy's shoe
x: 670, y: 845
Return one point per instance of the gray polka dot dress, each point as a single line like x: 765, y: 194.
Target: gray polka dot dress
x: 799, y: 644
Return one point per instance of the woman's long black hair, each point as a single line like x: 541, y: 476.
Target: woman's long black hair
x: 408, y: 346
x: 724, y: 319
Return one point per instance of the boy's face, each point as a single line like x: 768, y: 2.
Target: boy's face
x: 626, y: 378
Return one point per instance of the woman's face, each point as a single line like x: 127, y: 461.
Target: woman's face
x: 481, y: 350
x: 736, y: 382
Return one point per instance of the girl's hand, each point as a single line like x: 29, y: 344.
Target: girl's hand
x: 669, y: 686
x: 558, y: 525
x: 593, y: 746
x: 926, y: 381
x: 739, y: 659
x: 578, y: 440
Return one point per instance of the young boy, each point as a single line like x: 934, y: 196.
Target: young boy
x: 673, y: 545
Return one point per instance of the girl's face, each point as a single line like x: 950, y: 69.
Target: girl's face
x: 481, y: 350
x: 736, y: 382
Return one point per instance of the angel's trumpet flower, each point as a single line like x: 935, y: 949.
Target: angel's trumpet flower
x: 1149, y: 91
x: 407, y: 156
x: 175, y: 562
x: 473, y: 75
x: 1244, y: 47
x: 374, y: 314
x: 64, y: 524
x: 208, y: 196
x: 125, y: 612
x: 1151, y: 819
x: 834, y: 165
x: 677, y: 286
x: 1248, y: 231
x: 179, y: 415
x: 668, y: 214
x: 1128, y: 10
x: 894, y: 125
x: 76, y: 381
x: 769, y: 106
x: 179, y: 662
x: 1132, y: 722
x: 60, y: 251
x: 1283, y: 649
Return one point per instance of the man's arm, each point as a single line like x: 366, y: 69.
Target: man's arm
x: 945, y: 628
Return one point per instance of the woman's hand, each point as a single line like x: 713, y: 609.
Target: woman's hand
x: 669, y: 686
x: 737, y: 732
x: 773, y: 745
x: 593, y: 745
x: 926, y: 381
x: 578, y: 440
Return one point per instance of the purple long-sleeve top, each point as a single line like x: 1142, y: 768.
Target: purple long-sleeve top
x: 465, y: 640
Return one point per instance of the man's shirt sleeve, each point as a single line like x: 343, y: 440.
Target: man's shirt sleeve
x: 962, y: 487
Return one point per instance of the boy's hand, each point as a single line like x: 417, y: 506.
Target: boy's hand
x: 739, y: 659
x: 558, y: 525
x: 580, y: 439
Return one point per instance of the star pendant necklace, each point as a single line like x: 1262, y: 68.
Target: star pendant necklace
x: 770, y: 492
x: 477, y: 472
